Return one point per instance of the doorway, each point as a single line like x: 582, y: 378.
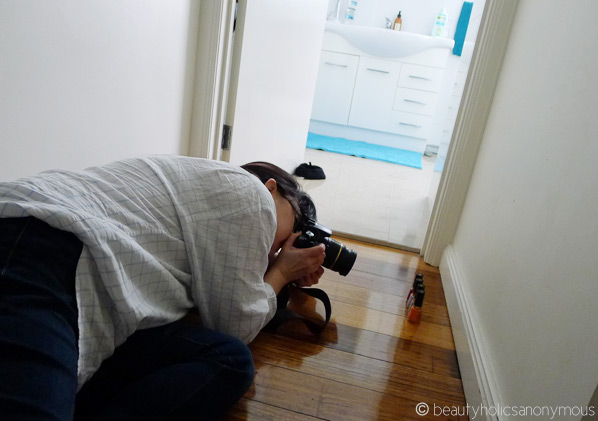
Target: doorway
x: 491, y: 44
x: 385, y: 203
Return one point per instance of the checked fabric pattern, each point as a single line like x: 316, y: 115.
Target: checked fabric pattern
x: 161, y: 235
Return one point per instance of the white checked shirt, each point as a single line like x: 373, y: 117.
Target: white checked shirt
x: 161, y: 235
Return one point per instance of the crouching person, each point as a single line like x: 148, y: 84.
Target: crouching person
x: 99, y: 268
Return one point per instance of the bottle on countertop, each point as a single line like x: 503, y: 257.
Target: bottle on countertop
x: 440, y: 28
x: 398, y: 23
x: 351, y: 10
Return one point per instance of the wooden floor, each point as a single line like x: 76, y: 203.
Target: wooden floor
x: 370, y: 363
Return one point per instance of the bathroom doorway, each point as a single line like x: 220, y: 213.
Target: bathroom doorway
x: 376, y: 201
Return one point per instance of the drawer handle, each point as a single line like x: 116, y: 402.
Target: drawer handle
x: 378, y: 70
x: 414, y: 102
x: 419, y: 77
x: 411, y: 125
x: 337, y: 65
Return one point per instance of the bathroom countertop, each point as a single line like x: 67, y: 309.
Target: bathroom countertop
x: 387, y: 43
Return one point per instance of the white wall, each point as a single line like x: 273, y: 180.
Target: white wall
x: 418, y: 15
x: 83, y: 83
x: 527, y: 240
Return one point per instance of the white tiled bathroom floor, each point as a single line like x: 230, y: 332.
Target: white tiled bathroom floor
x: 372, y: 200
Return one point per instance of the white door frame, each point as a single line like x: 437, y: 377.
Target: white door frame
x: 490, y: 48
x: 212, y: 71
x: 211, y: 89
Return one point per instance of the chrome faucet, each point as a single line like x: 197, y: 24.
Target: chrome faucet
x: 388, y: 23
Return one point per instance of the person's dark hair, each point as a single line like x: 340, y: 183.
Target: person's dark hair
x: 287, y: 186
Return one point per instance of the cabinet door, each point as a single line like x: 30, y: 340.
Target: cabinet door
x: 374, y: 93
x: 334, y: 87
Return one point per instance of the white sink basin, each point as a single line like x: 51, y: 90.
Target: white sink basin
x: 385, y: 42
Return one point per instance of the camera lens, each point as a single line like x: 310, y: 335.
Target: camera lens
x: 338, y: 257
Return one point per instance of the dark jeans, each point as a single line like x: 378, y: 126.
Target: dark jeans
x: 177, y: 371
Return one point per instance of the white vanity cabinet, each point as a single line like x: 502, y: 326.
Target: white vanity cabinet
x: 334, y: 87
x: 392, y: 102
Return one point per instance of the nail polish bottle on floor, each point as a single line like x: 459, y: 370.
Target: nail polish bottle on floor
x: 415, y: 312
x: 419, y: 280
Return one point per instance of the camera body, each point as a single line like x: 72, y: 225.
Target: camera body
x: 312, y: 234
x: 338, y: 257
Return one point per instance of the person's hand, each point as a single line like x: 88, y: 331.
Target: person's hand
x: 311, y: 279
x: 293, y: 264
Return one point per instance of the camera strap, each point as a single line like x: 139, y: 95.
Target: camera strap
x: 284, y: 315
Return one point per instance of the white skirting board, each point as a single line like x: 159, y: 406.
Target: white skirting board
x: 477, y: 374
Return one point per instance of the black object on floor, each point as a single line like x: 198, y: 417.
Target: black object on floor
x: 310, y: 172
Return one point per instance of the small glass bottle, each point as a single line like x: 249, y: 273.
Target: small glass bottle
x: 415, y: 312
x: 398, y: 23
x: 419, y: 280
x: 351, y: 10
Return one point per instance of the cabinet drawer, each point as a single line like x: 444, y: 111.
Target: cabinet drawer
x: 338, y: 61
x: 421, y: 77
x: 408, y: 124
x: 415, y: 101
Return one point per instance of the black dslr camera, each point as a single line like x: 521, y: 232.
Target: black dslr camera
x: 338, y: 257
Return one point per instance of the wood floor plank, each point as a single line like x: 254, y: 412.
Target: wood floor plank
x: 380, y: 347
x: 389, y: 285
x: 322, y: 398
x: 326, y: 399
x: 343, y: 367
x: 380, y: 258
x: 381, y: 322
x: 252, y: 410
x: 375, y: 300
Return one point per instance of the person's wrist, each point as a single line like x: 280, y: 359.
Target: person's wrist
x: 276, y: 278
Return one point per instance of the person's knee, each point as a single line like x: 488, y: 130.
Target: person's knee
x: 245, y: 365
x: 232, y: 375
x: 224, y: 350
x: 237, y: 357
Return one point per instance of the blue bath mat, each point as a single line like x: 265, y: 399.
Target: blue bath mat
x: 364, y: 150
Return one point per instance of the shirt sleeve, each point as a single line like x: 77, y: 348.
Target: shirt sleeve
x: 229, y: 260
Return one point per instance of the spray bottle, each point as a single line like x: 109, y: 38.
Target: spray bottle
x: 351, y: 10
